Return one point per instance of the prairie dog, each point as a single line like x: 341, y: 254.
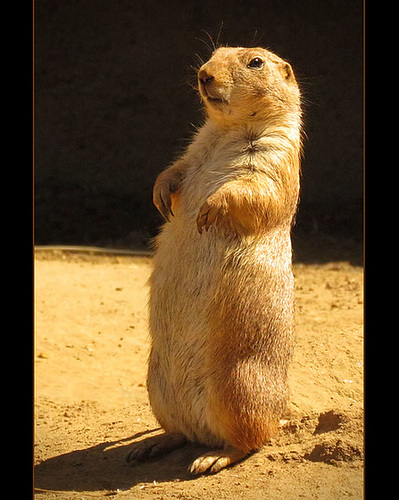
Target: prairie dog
x: 222, y: 290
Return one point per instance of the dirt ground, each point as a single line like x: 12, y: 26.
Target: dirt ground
x: 91, y: 347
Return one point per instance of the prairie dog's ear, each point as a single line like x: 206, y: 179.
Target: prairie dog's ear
x: 286, y: 71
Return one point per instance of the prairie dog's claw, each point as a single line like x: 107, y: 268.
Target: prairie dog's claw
x: 167, y: 184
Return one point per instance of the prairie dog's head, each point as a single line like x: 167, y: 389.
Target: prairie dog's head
x: 239, y: 85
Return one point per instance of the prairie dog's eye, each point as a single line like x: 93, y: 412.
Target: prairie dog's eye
x: 256, y: 63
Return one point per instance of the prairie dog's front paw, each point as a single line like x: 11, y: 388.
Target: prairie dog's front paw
x: 211, y: 212
x: 166, y: 185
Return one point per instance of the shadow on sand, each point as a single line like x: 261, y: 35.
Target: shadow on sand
x: 103, y: 467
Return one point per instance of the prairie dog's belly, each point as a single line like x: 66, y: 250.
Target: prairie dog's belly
x: 181, y: 292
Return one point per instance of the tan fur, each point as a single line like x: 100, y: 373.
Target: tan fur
x: 221, y: 302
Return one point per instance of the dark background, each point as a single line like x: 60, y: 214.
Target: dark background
x: 114, y: 106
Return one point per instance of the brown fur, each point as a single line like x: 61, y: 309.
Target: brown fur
x: 221, y: 302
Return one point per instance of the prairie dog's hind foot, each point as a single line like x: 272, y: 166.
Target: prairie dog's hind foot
x: 215, y: 461
x: 154, y: 446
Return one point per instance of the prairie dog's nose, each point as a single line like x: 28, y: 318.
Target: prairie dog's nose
x: 205, y: 76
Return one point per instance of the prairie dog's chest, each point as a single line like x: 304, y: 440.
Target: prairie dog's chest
x: 212, y: 164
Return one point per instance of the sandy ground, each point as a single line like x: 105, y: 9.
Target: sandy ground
x: 91, y: 347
